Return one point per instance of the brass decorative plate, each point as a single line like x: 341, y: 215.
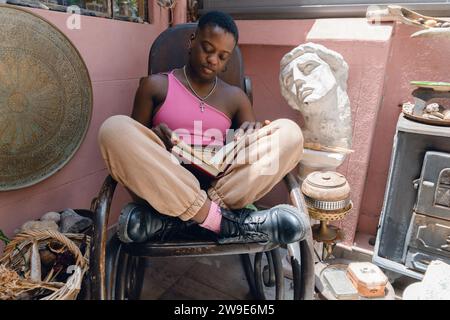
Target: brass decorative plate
x: 45, y: 99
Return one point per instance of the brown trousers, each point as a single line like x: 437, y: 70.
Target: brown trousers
x: 137, y: 158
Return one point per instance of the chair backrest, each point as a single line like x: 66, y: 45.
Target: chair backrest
x: 170, y: 51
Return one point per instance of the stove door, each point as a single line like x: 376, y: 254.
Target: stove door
x: 430, y: 234
x: 419, y: 260
x: 428, y: 239
x: 433, y: 198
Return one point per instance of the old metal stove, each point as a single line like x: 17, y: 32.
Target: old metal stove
x: 414, y: 226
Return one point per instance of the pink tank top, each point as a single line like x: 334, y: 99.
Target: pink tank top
x: 182, y: 113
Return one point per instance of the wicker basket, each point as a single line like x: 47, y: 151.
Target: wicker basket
x: 16, y: 260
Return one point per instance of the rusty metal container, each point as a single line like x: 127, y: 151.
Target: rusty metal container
x: 368, y: 279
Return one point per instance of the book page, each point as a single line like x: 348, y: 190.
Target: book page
x: 184, y: 146
x: 220, y: 160
x: 227, y: 152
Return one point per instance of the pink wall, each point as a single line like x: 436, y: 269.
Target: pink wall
x: 116, y: 54
x: 409, y: 59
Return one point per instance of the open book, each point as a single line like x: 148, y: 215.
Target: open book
x: 208, y: 162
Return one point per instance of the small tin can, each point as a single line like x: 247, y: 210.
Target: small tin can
x: 368, y: 279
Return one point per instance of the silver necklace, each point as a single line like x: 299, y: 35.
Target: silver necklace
x: 202, y: 100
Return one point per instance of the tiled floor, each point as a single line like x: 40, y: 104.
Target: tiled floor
x: 210, y: 278
x: 214, y: 278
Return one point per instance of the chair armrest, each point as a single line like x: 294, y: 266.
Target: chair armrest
x: 306, y: 253
x: 248, y: 88
x: 100, y: 206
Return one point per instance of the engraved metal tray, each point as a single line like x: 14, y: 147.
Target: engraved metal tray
x: 45, y: 99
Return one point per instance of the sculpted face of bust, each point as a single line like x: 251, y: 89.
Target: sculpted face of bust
x: 309, y: 78
x: 313, y: 80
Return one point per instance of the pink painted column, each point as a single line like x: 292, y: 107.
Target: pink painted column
x: 365, y: 93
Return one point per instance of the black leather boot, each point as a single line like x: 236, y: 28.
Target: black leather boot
x: 281, y: 224
x: 139, y: 223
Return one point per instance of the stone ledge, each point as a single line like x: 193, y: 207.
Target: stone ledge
x: 349, y: 29
x: 296, y: 31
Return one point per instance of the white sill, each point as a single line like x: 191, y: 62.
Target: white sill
x: 349, y: 29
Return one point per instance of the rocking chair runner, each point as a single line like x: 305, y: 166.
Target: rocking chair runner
x: 117, y: 269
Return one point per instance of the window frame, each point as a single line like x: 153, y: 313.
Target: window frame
x: 87, y: 12
x: 289, y: 10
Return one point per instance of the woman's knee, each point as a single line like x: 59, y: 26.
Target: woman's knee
x: 290, y: 133
x: 113, y: 126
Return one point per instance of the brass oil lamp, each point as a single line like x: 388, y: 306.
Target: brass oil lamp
x: 327, y: 196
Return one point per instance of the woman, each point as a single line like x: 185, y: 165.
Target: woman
x: 140, y: 158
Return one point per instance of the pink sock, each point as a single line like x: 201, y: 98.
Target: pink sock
x: 212, y: 221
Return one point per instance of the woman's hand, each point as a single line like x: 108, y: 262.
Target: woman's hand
x: 249, y: 127
x: 166, y: 135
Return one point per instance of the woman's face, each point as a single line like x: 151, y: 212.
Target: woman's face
x: 309, y: 78
x: 211, y: 49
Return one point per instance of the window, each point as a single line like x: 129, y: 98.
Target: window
x: 297, y: 9
x: 129, y: 10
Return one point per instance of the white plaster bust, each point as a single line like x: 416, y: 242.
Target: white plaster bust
x: 313, y: 80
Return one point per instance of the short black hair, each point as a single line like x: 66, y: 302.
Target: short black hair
x: 219, y: 19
